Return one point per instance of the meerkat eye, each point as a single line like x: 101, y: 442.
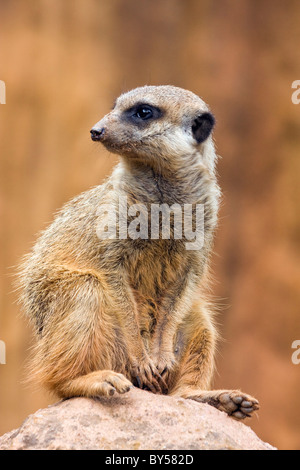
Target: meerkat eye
x: 144, y: 112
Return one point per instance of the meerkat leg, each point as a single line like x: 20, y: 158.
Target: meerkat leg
x: 195, y: 371
x: 235, y: 403
x: 172, y: 313
x: 84, y: 341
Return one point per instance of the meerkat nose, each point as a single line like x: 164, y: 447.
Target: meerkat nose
x: 97, y: 134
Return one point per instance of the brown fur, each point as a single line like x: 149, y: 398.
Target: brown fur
x: 109, y: 313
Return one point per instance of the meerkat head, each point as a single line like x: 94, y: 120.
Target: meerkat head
x: 155, y: 124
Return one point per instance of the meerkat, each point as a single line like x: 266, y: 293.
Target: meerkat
x: 110, y: 313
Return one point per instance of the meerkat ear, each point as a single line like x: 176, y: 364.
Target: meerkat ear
x: 202, y: 126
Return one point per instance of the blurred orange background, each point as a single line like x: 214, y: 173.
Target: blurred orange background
x: 64, y: 63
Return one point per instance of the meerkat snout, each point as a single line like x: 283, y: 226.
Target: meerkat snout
x: 97, y: 134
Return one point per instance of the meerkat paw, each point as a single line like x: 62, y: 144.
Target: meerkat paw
x: 165, y: 364
x: 102, y: 383
x: 235, y: 403
x: 146, y: 376
x: 108, y: 383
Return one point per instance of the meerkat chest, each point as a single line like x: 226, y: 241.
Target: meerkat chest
x: 155, y: 269
x: 152, y: 273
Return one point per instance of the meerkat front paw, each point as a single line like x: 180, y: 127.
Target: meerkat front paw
x: 107, y: 383
x: 102, y: 383
x: 165, y: 364
x: 145, y: 375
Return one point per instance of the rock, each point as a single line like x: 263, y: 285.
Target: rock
x: 134, y: 421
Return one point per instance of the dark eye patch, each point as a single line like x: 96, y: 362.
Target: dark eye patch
x: 140, y: 113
